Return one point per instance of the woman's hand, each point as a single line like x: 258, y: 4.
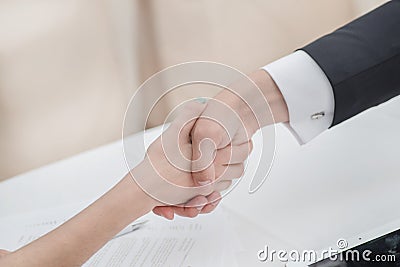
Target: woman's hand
x: 164, y: 175
x: 166, y: 172
x: 163, y: 178
x: 229, y: 121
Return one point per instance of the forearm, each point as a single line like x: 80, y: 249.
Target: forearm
x: 273, y: 96
x: 361, y: 61
x: 75, y: 241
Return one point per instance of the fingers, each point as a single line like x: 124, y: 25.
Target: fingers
x: 191, y: 209
x: 189, y: 212
x: 233, y: 154
x: 228, y: 164
x: 225, y: 174
x: 175, y: 141
x: 165, y: 211
x: 203, y: 154
x: 207, y: 136
x: 213, y: 200
x: 229, y: 172
x: 187, y: 118
x: 205, y: 176
x: 211, y: 159
x: 223, y: 185
x: 180, y: 130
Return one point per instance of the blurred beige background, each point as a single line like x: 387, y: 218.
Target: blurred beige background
x: 69, y: 67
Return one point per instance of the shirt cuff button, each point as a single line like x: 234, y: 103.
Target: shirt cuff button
x: 318, y: 115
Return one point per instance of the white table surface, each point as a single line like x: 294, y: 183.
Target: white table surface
x: 343, y: 183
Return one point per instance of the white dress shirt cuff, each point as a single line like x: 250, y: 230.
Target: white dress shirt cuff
x: 307, y: 92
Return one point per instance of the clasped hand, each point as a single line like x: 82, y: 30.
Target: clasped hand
x: 195, y: 159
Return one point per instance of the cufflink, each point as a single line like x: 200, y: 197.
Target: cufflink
x: 318, y: 115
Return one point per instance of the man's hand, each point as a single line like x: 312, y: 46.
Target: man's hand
x: 228, y: 122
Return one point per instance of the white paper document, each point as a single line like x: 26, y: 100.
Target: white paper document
x: 204, y: 241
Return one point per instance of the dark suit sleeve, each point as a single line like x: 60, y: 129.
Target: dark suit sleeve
x: 362, y: 60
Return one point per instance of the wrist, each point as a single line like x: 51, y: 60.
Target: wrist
x: 237, y: 103
x: 133, y: 193
x: 273, y: 96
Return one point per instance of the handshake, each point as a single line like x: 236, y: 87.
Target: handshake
x: 199, y: 155
x: 183, y: 173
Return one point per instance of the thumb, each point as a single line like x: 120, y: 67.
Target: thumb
x: 205, y: 176
x: 204, y: 147
x: 187, y: 118
x: 177, y: 137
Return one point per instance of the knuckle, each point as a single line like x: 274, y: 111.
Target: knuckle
x: 207, y: 129
x: 228, y: 184
x: 223, y: 156
x: 192, y: 108
x: 224, y: 185
x: 203, y: 175
x: 251, y: 146
x: 240, y: 155
x: 192, y: 213
x: 241, y: 169
x: 207, y: 190
x: 221, y: 170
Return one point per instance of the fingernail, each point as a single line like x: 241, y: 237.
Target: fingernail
x: 202, y: 183
x: 215, y: 200
x: 201, y: 100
